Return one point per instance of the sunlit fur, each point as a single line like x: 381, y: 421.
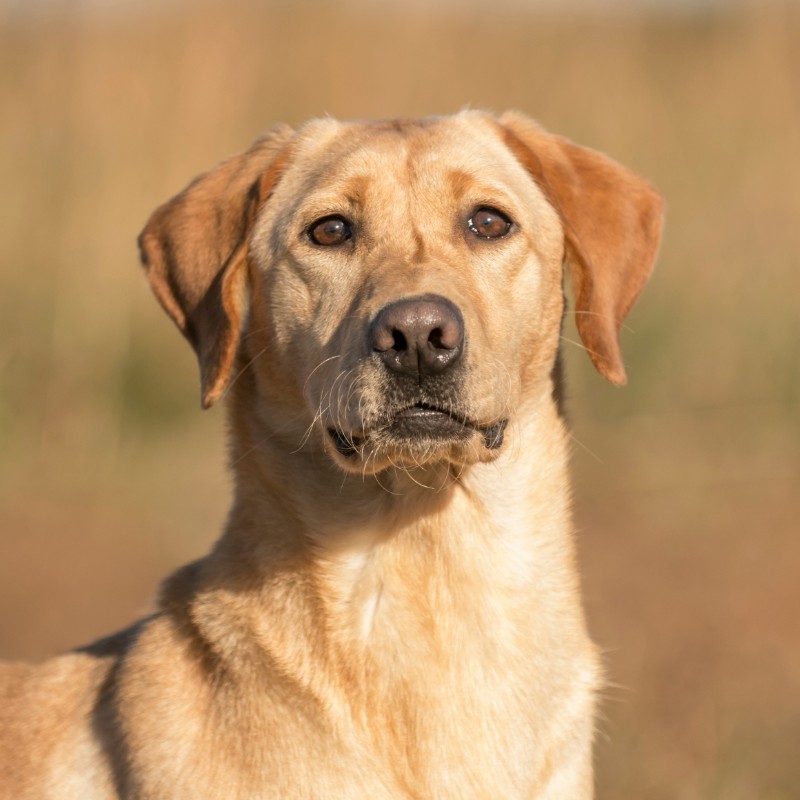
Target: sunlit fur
x: 401, y: 620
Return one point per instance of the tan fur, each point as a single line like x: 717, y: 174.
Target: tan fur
x: 400, y: 621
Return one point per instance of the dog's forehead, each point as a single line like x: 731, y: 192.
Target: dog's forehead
x: 403, y: 151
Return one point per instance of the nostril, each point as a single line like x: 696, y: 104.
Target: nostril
x: 436, y: 338
x: 418, y: 335
x: 389, y: 339
x: 446, y: 337
x: 383, y: 339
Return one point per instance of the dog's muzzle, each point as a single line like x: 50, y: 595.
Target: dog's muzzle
x: 419, y: 343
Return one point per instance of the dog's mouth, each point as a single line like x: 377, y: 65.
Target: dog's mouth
x: 421, y: 424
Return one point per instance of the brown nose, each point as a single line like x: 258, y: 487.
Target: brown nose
x: 418, y: 336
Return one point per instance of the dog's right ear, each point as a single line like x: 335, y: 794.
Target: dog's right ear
x: 194, y: 250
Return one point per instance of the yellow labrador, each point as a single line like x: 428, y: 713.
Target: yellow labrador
x: 392, y: 610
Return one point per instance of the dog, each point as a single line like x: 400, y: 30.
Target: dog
x: 392, y: 610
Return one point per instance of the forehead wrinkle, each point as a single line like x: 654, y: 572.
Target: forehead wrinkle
x: 415, y: 146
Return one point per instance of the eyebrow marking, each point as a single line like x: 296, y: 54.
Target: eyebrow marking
x: 356, y: 190
x: 461, y: 183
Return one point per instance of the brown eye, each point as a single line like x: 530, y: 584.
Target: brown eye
x: 330, y: 231
x: 489, y: 223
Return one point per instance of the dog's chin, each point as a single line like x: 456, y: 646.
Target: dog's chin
x: 416, y: 437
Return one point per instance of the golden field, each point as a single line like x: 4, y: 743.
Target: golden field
x: 687, y: 482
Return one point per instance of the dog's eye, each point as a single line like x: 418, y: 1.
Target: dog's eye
x: 330, y: 231
x: 489, y: 223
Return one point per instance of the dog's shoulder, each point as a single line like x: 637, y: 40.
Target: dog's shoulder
x: 47, y: 713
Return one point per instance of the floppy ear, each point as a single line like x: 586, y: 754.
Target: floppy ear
x: 194, y: 250
x: 612, y: 226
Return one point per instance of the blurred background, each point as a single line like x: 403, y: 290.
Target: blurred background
x: 687, y: 481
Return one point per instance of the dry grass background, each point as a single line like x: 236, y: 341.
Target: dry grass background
x: 688, y: 481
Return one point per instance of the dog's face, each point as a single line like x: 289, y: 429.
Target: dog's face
x: 414, y: 287
x: 403, y: 279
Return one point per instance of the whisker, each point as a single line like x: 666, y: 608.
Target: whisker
x: 409, y: 473
x: 624, y: 325
x: 579, y: 345
x: 253, y: 332
x: 242, y: 371
x: 321, y: 363
x: 585, y: 448
x: 309, y: 429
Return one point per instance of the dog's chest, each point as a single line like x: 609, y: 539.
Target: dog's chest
x: 432, y: 644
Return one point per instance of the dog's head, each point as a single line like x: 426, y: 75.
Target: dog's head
x: 398, y: 285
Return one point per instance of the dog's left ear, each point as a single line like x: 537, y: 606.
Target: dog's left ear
x: 194, y: 251
x: 612, y: 226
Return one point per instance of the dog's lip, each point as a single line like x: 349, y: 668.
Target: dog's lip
x: 346, y: 444
x: 426, y: 419
x: 426, y: 410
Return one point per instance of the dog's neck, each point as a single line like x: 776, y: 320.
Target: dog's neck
x: 368, y: 550
x: 377, y: 600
